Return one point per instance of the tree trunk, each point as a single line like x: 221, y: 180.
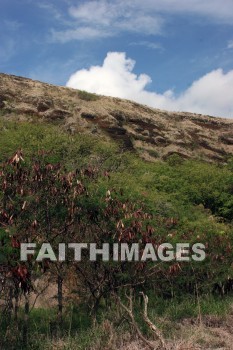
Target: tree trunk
x: 26, y: 320
x: 16, y: 306
x: 60, y: 299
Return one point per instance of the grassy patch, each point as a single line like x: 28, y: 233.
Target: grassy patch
x: 87, y: 96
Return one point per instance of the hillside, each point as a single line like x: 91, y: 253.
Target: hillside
x: 151, y: 132
x: 74, y: 168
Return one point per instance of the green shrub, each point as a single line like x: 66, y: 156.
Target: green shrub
x: 87, y: 96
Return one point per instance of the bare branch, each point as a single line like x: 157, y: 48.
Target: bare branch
x: 129, y: 311
x: 150, y: 324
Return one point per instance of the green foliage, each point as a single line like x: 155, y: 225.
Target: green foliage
x: 186, y: 183
x: 190, y: 201
x: 87, y: 96
x: 175, y: 159
x: 80, y: 334
x: 58, y: 145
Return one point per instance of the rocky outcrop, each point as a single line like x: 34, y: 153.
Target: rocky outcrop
x: 151, y: 132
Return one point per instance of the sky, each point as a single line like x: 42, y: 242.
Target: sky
x: 169, y: 54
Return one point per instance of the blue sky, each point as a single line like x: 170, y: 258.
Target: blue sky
x: 170, y: 54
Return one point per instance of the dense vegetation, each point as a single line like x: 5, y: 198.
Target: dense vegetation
x: 118, y: 193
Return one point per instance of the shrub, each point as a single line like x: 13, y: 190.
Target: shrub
x: 87, y: 96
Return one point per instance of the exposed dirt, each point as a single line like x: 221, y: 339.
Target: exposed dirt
x: 151, y: 132
x: 207, y: 333
x: 214, y: 333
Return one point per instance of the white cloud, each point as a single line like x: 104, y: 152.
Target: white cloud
x: 78, y: 34
x: 213, y: 9
x: 111, y: 17
x: 50, y: 8
x: 148, y: 44
x: 103, y: 11
x: 211, y: 94
x: 230, y: 44
x: 12, y: 25
x: 95, y: 12
x: 117, y: 14
x: 107, y: 19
